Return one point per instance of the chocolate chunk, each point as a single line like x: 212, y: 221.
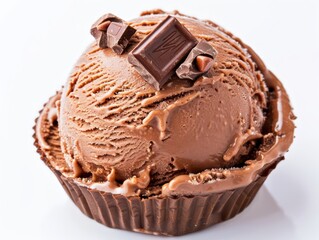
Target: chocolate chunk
x: 198, y: 61
x: 118, y: 36
x: 102, y: 40
x: 204, y: 63
x: 158, y: 55
x: 96, y: 33
x: 103, y: 26
x: 111, y: 31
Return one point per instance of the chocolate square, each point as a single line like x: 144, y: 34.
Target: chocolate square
x: 157, y: 56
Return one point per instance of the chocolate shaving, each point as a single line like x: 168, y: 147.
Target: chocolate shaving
x: 198, y: 61
x: 158, y: 55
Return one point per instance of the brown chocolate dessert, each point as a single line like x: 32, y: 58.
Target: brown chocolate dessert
x: 183, y: 121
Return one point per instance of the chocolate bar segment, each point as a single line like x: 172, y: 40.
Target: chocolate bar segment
x: 158, y: 55
x: 118, y: 36
x: 198, y: 61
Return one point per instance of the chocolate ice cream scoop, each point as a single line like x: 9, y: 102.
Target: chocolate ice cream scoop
x: 111, y: 118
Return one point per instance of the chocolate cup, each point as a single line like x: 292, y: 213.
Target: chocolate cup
x: 158, y: 215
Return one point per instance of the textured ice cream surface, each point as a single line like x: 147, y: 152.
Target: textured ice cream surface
x: 110, y: 118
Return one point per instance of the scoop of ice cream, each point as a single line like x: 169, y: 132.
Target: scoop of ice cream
x: 112, y: 120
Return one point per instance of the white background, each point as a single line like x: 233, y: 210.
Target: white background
x: 41, y: 40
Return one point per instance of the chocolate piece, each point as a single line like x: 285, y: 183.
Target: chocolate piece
x: 102, y: 40
x: 118, y: 36
x: 111, y: 31
x: 96, y: 33
x: 204, y: 63
x: 157, y: 56
x: 103, y: 26
x: 198, y: 61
